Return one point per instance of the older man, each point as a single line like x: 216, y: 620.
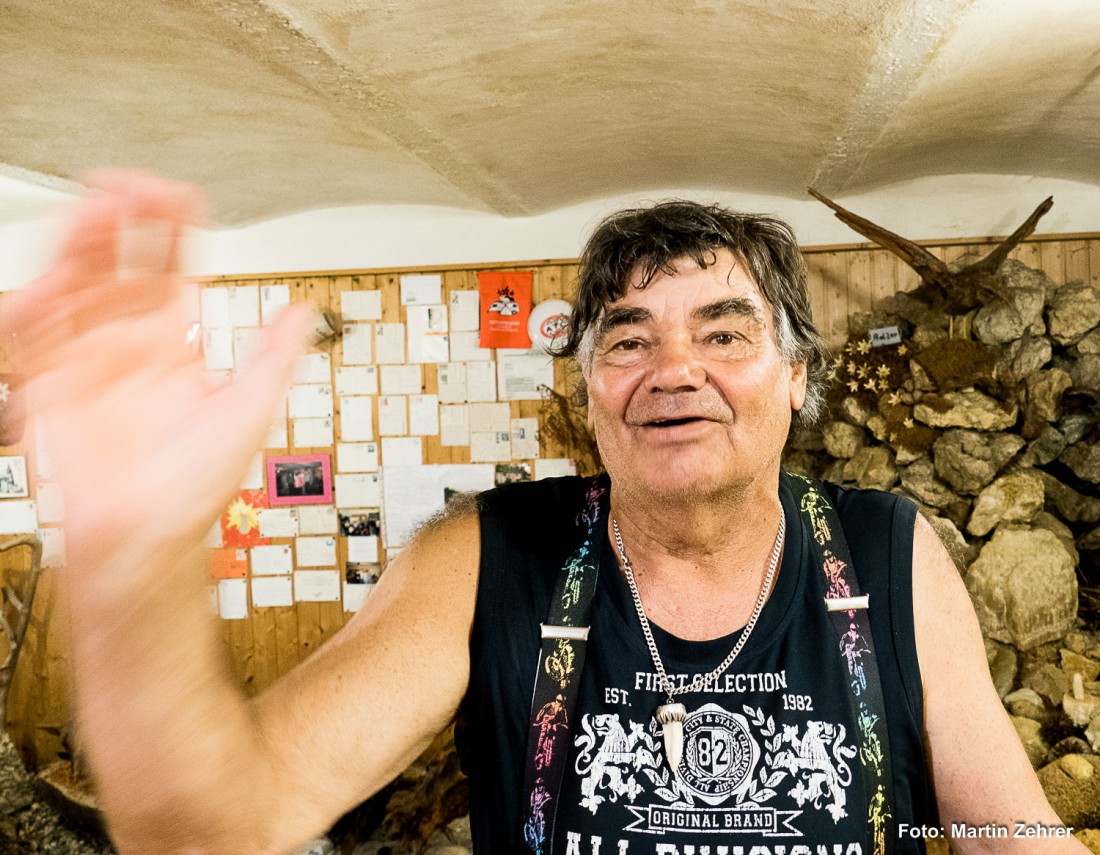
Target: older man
x: 720, y: 707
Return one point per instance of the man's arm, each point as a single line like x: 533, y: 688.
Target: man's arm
x: 979, y: 768
x: 148, y: 456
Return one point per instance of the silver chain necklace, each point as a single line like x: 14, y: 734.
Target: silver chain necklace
x: 671, y: 716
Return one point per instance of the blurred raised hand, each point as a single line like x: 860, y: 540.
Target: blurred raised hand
x: 147, y: 450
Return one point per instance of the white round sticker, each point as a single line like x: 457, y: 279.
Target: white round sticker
x: 549, y: 324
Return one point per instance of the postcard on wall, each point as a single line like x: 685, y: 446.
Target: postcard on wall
x: 363, y: 548
x: 490, y: 446
x: 465, y: 348
x: 361, y: 305
x: 389, y: 344
x: 357, y: 380
x: 393, y: 417
x: 454, y: 424
x: 421, y: 289
x: 427, y: 331
x: 277, y: 437
x: 554, y: 467
x: 272, y: 560
x: 525, y: 438
x: 317, y: 519
x: 272, y: 591
x: 315, y: 551
x: 356, y: 418
x: 310, y: 401
x: 244, y: 305
x: 229, y: 563
x: 413, y: 493
x: 402, y: 380
x: 241, y: 520
x: 451, y: 382
x: 402, y: 451
x: 465, y: 311
x: 521, y: 374
x: 313, y: 368
x: 359, y: 581
x: 13, y: 477
x: 233, y: 599
x: 301, y: 479
x: 481, y: 381
x: 273, y: 299
x: 357, y: 491
x: 312, y: 433
x: 511, y: 473
x: 357, y: 457
x: 423, y: 415
x: 53, y: 547
x: 317, y: 586
x: 254, y: 475
x: 246, y: 344
x: 358, y: 344
x: 490, y: 417
x: 279, y: 522
x: 18, y: 517
x: 217, y: 348
x: 214, y: 307
x: 360, y: 523
x: 505, y: 307
x: 51, y: 502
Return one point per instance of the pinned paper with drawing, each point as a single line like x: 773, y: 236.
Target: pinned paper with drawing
x: 241, y: 520
x: 505, y: 307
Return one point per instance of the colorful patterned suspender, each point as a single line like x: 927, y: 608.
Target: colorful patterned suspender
x: 561, y: 658
x: 565, y: 635
x: 848, y: 611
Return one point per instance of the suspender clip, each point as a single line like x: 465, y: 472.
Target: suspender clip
x: 573, y: 633
x: 847, y: 604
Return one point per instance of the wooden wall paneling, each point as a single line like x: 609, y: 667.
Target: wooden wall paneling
x: 52, y: 667
x: 1094, y: 263
x: 1077, y: 260
x: 860, y: 280
x: 265, y: 648
x: 1029, y: 253
x: 883, y: 281
x: 1052, y: 259
x: 834, y: 267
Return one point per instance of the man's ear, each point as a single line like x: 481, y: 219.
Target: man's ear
x: 798, y: 385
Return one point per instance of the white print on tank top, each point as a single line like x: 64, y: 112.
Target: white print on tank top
x: 734, y: 765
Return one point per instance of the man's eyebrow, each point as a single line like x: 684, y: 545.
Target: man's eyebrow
x: 621, y: 316
x: 738, y: 306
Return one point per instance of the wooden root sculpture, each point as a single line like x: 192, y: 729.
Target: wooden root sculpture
x: 955, y: 292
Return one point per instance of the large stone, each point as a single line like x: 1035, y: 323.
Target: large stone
x: 1045, y: 448
x: 872, y: 468
x: 1024, y: 587
x: 1068, y: 503
x: 1047, y: 520
x: 919, y: 478
x: 1003, y: 665
x: 1027, y: 703
x: 1002, y: 321
x: 1085, y: 372
x: 1016, y: 274
x: 1016, y: 498
x: 1081, y: 710
x: 1090, y: 837
x: 1074, y: 311
x: 968, y: 460
x: 1044, y: 394
x: 1083, y: 459
x: 1077, y: 663
x: 967, y: 408
x: 1047, y: 680
x: 1092, y: 734
x: 1028, y: 730
x: 1023, y: 358
x: 855, y: 411
x: 1089, y: 344
x: 842, y: 440
x: 1076, y: 426
x: 1090, y: 540
x: 1073, y: 790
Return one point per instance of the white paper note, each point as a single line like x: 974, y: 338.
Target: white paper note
x: 355, y: 595
x: 554, y: 467
x: 277, y: 437
x: 313, y: 368
x: 363, y: 548
x: 317, y: 519
x: 361, y: 305
x: 311, y: 433
x: 525, y: 438
x: 357, y: 380
x: 521, y: 373
x: 490, y: 446
x: 389, y: 343
x: 18, y: 517
x: 451, y: 382
x: 454, y: 424
x: 423, y: 415
x: 51, y: 502
x: 356, y: 418
x: 490, y: 417
x: 272, y: 560
x: 402, y: 451
x: 392, y: 415
x: 217, y: 348
x: 279, y: 522
x: 358, y: 491
x: 213, y: 537
x: 481, y: 381
x: 465, y: 311
x: 233, y: 599
x: 418, y: 289
x: 272, y: 591
x: 402, y: 380
x: 466, y: 347
x: 358, y: 344
x: 273, y: 299
x: 315, y: 551
x: 317, y: 586
x: 244, y: 305
x: 310, y: 401
x: 427, y: 332
x: 357, y: 457
x: 53, y: 547
x: 214, y: 303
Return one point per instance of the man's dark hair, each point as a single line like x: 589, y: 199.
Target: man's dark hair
x: 650, y: 240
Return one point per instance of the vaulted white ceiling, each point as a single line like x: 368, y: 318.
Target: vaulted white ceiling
x: 519, y: 107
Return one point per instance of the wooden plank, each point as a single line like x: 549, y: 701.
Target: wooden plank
x: 310, y: 634
x: 1077, y: 260
x: 884, y: 275
x: 1028, y: 253
x: 1094, y: 263
x: 1052, y: 258
x: 861, y: 286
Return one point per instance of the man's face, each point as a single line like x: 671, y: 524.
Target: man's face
x: 687, y: 391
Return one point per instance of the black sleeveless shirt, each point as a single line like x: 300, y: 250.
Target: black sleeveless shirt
x: 771, y: 762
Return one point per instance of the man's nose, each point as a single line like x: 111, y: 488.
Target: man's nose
x: 677, y: 367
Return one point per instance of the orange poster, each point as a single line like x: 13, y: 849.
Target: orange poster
x: 505, y: 307
x: 228, y: 563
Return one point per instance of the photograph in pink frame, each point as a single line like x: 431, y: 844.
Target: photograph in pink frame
x: 300, y: 479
